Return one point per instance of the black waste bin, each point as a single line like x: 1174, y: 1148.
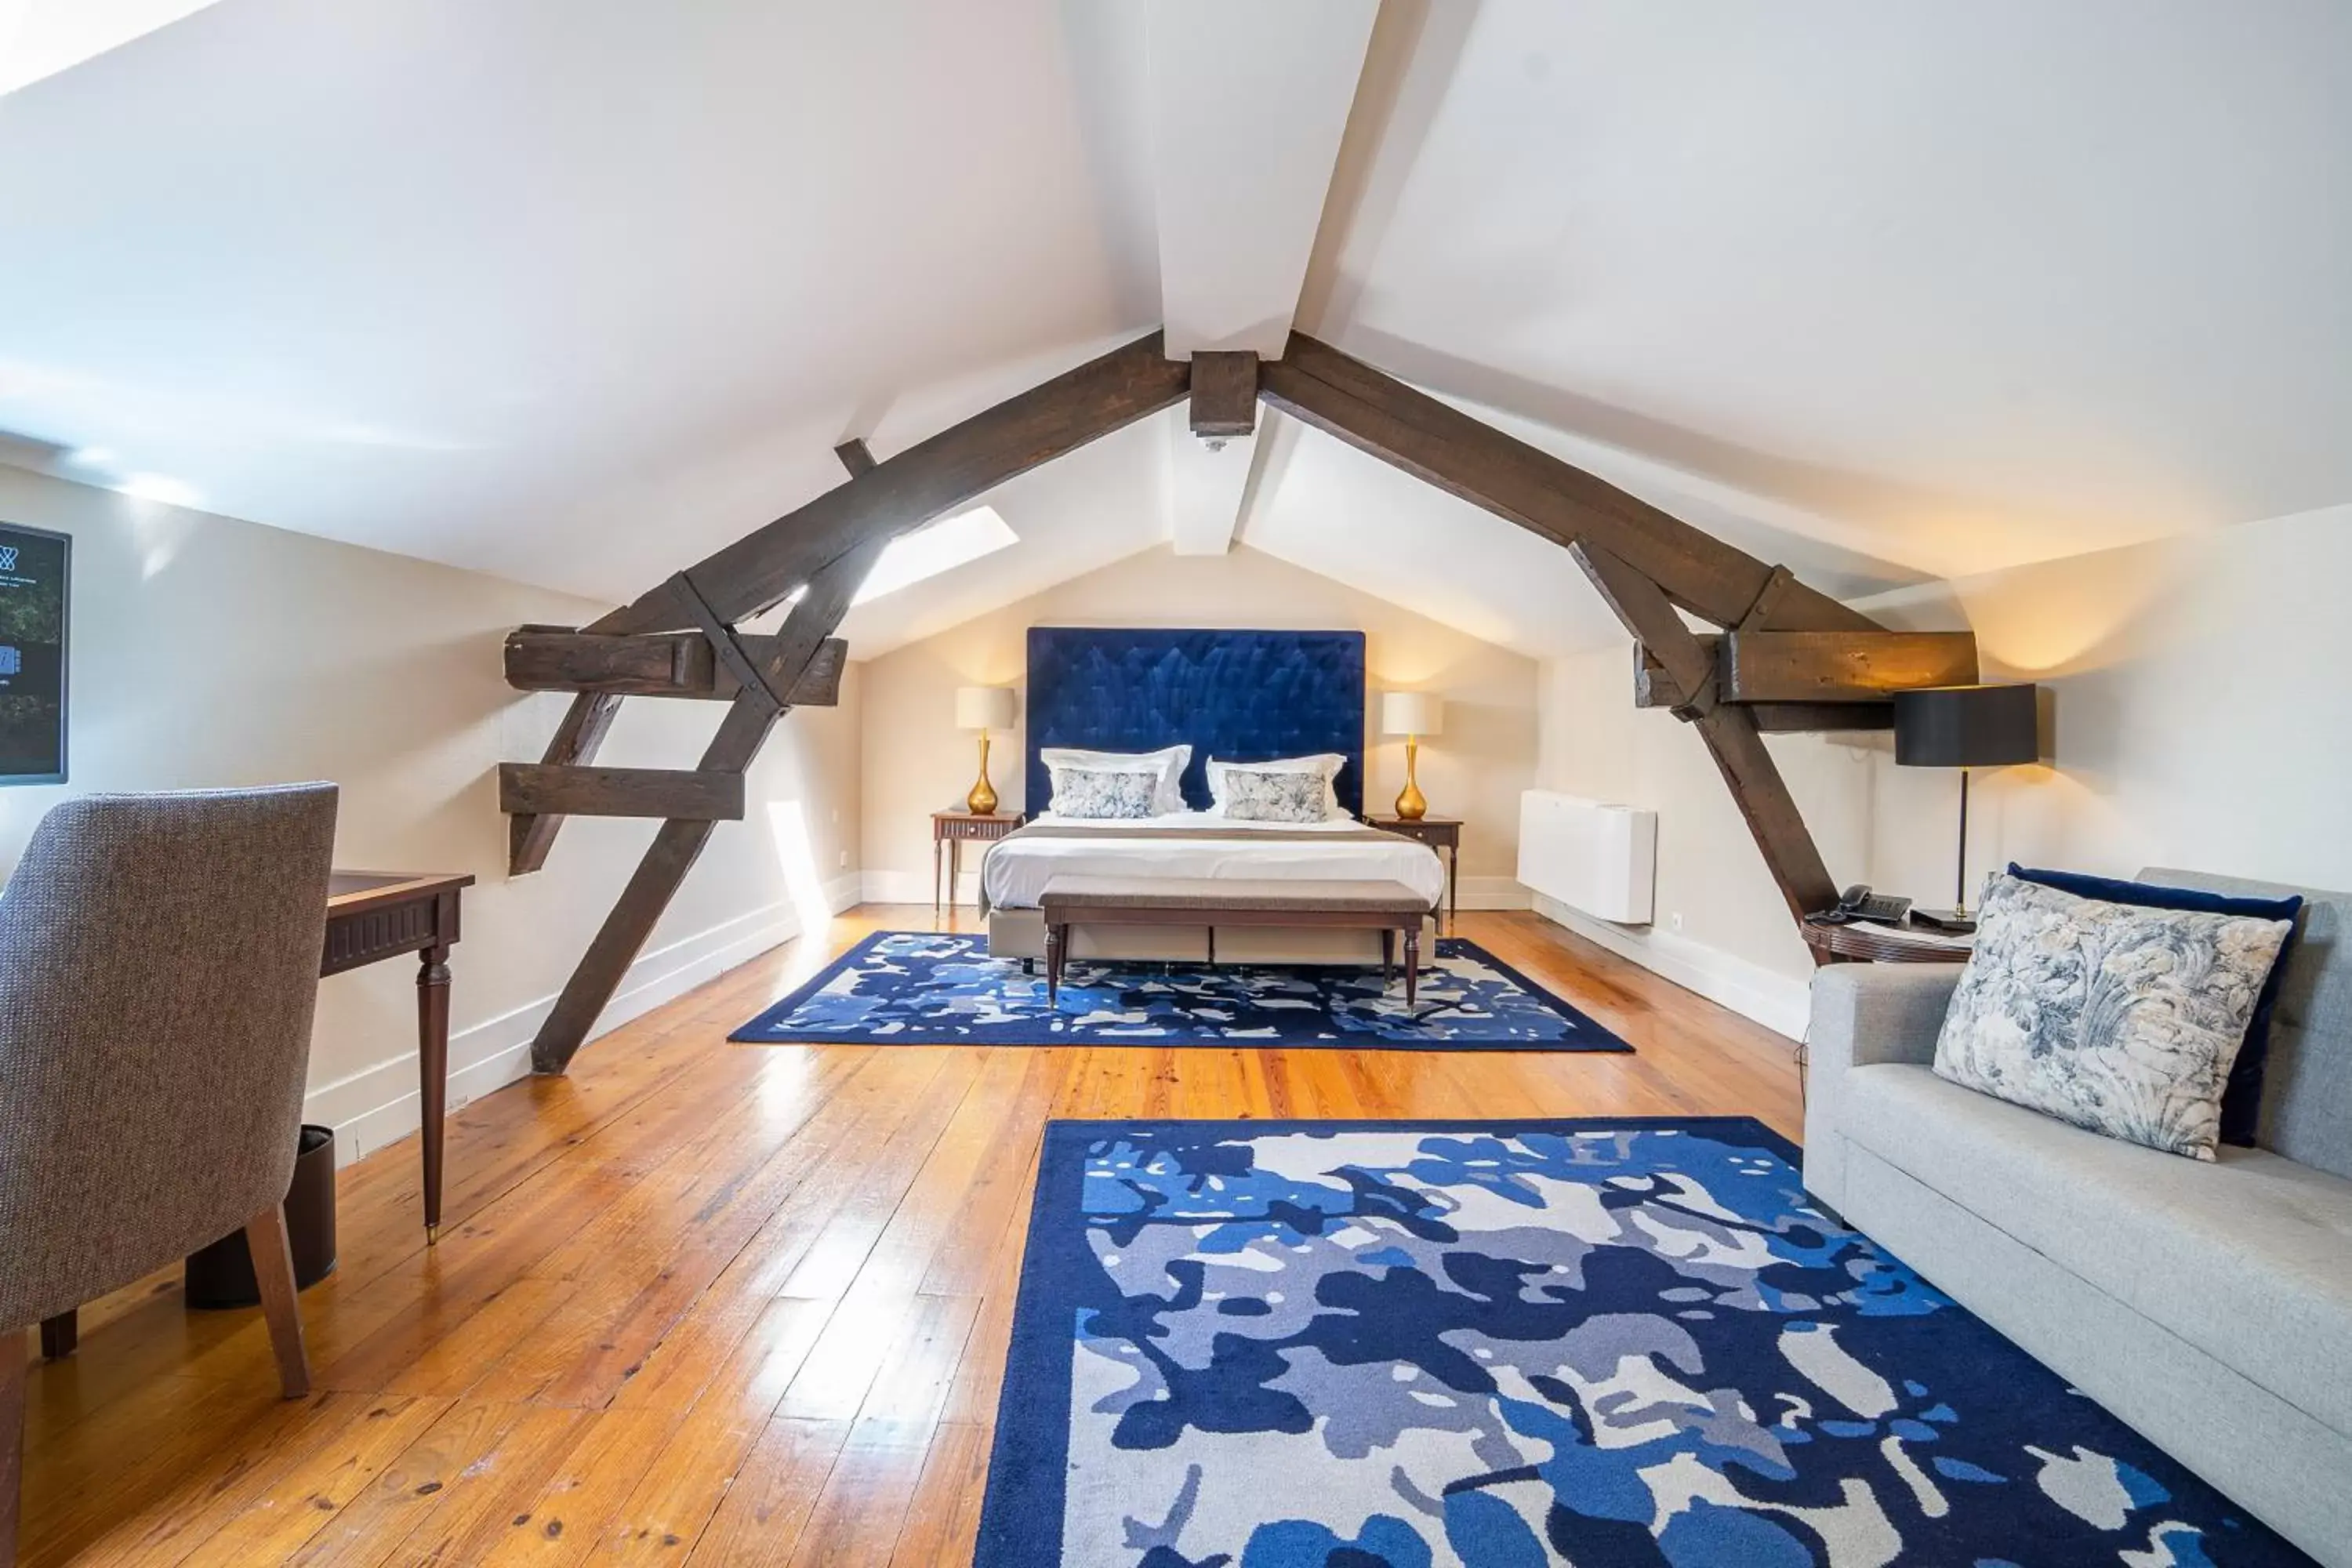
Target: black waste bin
x: 221, y: 1275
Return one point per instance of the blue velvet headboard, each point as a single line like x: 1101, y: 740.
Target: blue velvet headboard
x: 1236, y: 695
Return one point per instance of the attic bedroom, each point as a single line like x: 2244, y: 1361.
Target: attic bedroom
x: 1144, y: 784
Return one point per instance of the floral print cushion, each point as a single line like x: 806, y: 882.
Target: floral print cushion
x: 2116, y: 1018
x: 1252, y: 795
x: 1103, y: 792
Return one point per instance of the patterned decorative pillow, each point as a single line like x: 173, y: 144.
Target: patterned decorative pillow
x: 2116, y: 1018
x: 1252, y: 795
x: 1102, y: 791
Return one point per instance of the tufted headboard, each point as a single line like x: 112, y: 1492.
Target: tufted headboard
x: 1239, y: 696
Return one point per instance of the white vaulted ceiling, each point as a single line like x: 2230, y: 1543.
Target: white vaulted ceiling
x: 576, y: 291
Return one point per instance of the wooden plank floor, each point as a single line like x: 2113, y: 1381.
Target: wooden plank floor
x: 712, y: 1303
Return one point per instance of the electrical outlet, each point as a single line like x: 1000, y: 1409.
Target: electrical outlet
x: 1675, y: 920
x: 844, y: 862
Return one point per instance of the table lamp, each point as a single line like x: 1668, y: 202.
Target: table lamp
x: 1411, y: 715
x: 983, y: 707
x: 1966, y: 727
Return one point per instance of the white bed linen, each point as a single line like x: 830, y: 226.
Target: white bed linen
x: 1017, y: 869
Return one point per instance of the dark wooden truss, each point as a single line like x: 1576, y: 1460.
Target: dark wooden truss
x: 1787, y: 658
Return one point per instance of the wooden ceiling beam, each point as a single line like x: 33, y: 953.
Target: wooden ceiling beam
x: 1727, y: 730
x: 1224, y: 394
x: 1840, y: 667
x: 1468, y: 458
x: 927, y: 481
x: 535, y: 788
x: 655, y: 664
x: 574, y: 743
x: 678, y: 842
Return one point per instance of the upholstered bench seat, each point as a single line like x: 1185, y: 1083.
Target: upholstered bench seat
x: 1221, y: 895
x: 1391, y: 907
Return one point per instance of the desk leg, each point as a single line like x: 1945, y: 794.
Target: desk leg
x: 1453, y: 889
x: 433, y: 1072
x: 935, y: 878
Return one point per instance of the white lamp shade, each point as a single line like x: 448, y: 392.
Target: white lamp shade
x: 1412, y: 713
x: 983, y: 707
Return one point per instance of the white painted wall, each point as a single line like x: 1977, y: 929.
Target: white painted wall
x: 917, y: 761
x: 2200, y: 719
x: 207, y: 651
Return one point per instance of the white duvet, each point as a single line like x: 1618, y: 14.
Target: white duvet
x: 1017, y: 869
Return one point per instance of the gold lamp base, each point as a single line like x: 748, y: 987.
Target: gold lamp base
x: 1410, y: 803
x: 982, y: 800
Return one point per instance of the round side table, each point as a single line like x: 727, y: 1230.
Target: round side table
x: 1857, y: 941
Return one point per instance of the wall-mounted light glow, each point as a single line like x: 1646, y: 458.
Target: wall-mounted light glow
x: 156, y: 487
x: 938, y: 547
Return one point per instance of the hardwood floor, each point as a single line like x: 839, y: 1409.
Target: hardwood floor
x: 712, y: 1303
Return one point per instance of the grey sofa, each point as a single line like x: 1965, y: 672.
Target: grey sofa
x: 2208, y: 1305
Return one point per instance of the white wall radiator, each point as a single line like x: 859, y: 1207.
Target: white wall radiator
x: 1590, y: 854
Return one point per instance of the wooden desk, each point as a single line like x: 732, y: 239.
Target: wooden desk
x: 377, y: 915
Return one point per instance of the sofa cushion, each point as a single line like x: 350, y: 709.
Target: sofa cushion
x: 2241, y: 1099
x: 2249, y: 1258
x: 2307, y: 1080
x: 2116, y: 1018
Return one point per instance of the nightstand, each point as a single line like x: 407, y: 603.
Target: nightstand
x: 1439, y: 833
x: 953, y: 830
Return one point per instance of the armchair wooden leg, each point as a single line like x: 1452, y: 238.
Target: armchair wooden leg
x: 12, y: 1439
x: 273, y: 1271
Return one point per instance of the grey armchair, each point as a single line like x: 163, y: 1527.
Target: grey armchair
x: 159, y: 966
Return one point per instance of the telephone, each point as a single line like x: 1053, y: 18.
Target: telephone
x: 1859, y: 903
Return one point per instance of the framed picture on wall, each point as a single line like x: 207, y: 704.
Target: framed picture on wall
x: 34, y: 571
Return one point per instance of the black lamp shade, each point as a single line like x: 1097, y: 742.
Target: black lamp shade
x: 1966, y: 726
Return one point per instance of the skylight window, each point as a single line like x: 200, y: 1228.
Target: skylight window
x: 938, y: 547
x: 42, y: 37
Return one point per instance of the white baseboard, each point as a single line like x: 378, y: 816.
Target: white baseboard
x: 1776, y: 1001
x: 1494, y: 893
x: 381, y: 1105
x: 915, y: 887
x: 846, y: 891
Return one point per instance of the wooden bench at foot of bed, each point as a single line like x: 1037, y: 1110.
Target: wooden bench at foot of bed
x: 1389, y: 907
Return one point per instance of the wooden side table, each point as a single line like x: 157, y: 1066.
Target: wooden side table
x: 1439, y: 833
x: 954, y: 830
x: 1861, y: 941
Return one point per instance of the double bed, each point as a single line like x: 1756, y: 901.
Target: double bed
x: 1238, y: 696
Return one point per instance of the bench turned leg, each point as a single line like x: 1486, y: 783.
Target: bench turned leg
x: 1054, y: 941
x: 1388, y: 956
x: 1411, y: 965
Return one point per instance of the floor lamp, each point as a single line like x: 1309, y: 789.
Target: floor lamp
x: 1966, y: 727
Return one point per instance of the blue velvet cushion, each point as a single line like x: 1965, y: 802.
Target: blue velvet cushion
x: 2241, y: 1101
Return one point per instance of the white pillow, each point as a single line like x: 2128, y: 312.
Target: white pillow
x: 1169, y: 765
x: 2115, y: 1017
x: 1327, y: 764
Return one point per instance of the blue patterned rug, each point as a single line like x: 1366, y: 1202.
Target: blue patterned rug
x: 919, y: 988
x: 1331, y: 1345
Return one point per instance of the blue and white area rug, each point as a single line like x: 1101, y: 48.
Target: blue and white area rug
x: 1328, y: 1345
x: 919, y: 988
